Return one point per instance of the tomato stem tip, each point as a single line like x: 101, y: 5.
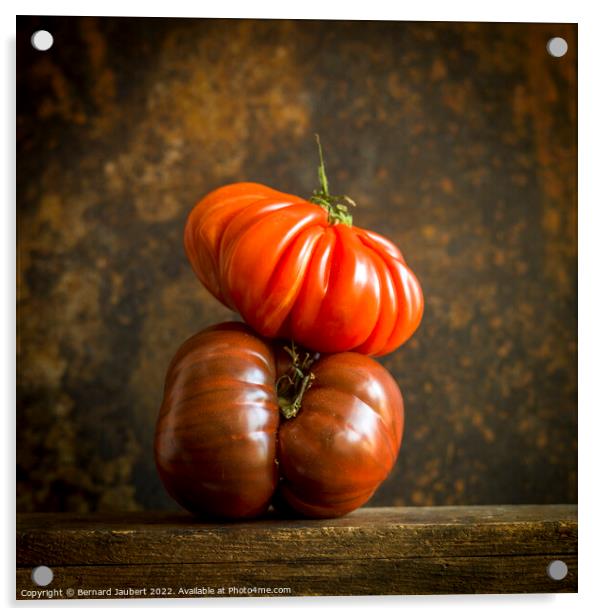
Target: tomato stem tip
x: 291, y: 387
x: 335, y: 205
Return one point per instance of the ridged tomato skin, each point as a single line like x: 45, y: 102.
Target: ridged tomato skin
x: 215, y: 437
x: 275, y: 259
x: 223, y: 450
x: 352, y: 423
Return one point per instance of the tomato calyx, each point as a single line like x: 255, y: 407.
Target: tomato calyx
x: 292, y: 385
x: 337, y: 206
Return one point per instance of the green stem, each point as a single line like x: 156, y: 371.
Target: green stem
x: 291, y: 387
x: 322, y: 168
x: 290, y: 409
x: 335, y: 205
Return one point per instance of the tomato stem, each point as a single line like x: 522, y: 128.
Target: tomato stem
x: 322, y: 168
x: 290, y: 409
x: 335, y: 205
x: 291, y: 387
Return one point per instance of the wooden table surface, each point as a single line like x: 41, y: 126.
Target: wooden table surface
x: 401, y: 550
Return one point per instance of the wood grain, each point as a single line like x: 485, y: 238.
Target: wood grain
x: 410, y: 550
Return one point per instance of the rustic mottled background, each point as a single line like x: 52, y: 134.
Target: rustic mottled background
x: 458, y: 141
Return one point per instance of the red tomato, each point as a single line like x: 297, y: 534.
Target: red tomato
x: 292, y: 269
x: 223, y: 448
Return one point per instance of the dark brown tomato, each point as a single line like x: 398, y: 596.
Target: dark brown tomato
x: 215, y: 438
x: 223, y: 450
x: 344, y: 441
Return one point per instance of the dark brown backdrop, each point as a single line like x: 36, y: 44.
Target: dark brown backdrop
x: 458, y: 141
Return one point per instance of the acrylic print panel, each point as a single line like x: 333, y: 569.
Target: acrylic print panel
x: 456, y: 142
